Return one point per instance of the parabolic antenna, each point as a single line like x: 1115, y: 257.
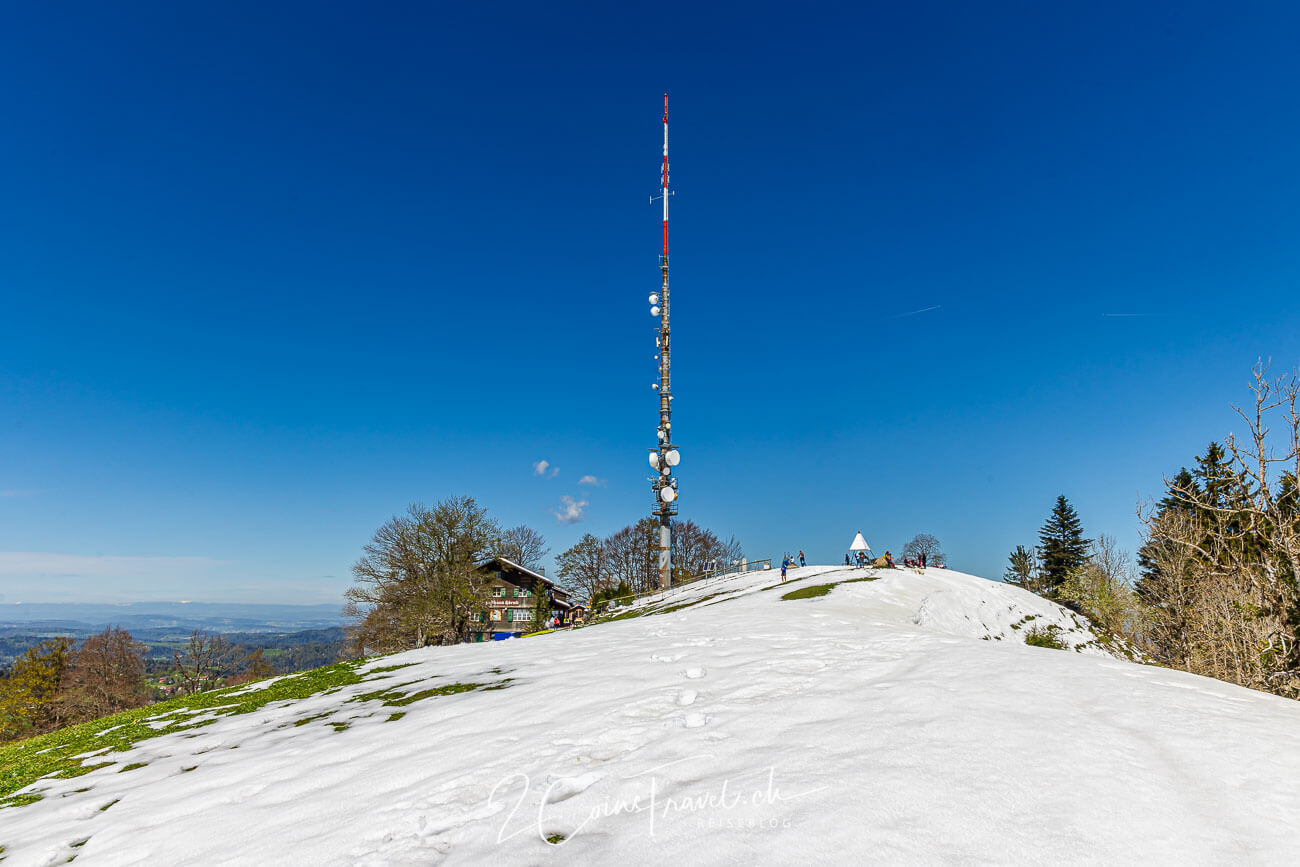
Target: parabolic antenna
x: 672, y: 457
x: 654, y: 461
x: 667, y: 494
x: 654, y: 311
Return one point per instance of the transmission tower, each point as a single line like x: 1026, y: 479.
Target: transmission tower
x: 665, y: 456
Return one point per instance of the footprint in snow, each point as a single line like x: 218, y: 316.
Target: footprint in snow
x: 687, y: 697
x: 695, y: 673
x: 673, y: 658
x: 564, y: 788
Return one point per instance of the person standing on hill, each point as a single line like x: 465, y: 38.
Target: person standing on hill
x: 801, y: 562
x: 922, y: 559
x: 784, y: 564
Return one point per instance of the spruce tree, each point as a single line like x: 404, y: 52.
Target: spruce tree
x: 1061, y: 544
x: 1176, y: 500
x: 1022, y: 569
x: 541, y: 605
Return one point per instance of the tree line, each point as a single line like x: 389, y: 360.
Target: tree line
x: 418, y: 582
x: 627, y: 562
x: 58, y: 683
x: 1214, y: 590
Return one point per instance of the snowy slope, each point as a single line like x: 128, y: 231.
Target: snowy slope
x: 873, y: 724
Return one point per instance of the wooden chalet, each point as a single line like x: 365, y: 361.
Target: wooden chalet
x: 510, y: 605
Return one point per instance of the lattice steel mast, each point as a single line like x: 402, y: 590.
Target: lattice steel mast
x: 665, y: 456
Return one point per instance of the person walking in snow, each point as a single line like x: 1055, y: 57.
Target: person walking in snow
x: 922, y: 559
x: 784, y: 563
x: 846, y: 560
x: 801, y: 562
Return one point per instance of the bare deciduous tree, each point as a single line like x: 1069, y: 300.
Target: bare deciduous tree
x: 923, y: 543
x: 418, y: 582
x: 1102, y: 589
x: 106, y: 675
x: 524, y: 546
x: 694, y: 548
x: 1223, y: 590
x: 632, y: 555
x: 204, y: 660
x: 583, y: 568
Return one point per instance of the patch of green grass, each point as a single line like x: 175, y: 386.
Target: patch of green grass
x: 312, y: 718
x: 23, y: 762
x: 395, y: 716
x: 1040, y: 636
x: 538, y: 632
x: 815, y: 590
x: 109, y: 804
x: 811, y: 592
x: 133, y: 766
x: 384, y: 668
x: 626, y: 615
x: 341, y: 726
x: 555, y: 839
x: 21, y: 800
x: 395, y: 699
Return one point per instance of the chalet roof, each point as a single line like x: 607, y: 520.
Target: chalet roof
x: 561, y: 596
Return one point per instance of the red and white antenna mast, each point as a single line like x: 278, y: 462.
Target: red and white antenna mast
x: 665, y: 456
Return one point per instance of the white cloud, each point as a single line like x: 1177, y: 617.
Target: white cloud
x: 592, y: 480
x: 32, y: 564
x: 539, y: 468
x: 570, y: 510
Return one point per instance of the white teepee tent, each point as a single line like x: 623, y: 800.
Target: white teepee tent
x: 859, y: 544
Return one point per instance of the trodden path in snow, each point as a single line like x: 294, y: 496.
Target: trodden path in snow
x: 876, y: 723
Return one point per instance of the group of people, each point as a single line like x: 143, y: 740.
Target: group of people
x: 862, y: 560
x: 787, y: 562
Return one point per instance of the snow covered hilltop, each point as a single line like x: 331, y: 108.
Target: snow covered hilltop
x: 895, y: 720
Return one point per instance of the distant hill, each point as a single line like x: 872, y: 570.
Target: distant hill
x: 298, y: 636
x: 184, y: 616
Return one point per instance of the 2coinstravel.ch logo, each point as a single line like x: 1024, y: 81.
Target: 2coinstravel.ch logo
x: 749, y: 802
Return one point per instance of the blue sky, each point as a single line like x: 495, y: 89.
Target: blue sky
x: 266, y: 276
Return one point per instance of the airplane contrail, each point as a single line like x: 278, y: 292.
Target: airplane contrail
x: 915, y: 312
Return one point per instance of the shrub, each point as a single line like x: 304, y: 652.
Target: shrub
x: 1044, y: 636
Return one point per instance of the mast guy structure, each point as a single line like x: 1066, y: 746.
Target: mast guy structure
x: 665, y: 456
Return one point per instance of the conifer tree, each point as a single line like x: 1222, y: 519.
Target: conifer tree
x: 541, y: 605
x: 1022, y: 569
x: 1179, y: 499
x: 29, y: 702
x: 1062, y: 546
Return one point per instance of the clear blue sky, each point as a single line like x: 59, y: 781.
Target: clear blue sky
x: 269, y: 272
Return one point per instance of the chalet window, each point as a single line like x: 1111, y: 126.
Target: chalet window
x: 498, y: 592
x: 522, y: 614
